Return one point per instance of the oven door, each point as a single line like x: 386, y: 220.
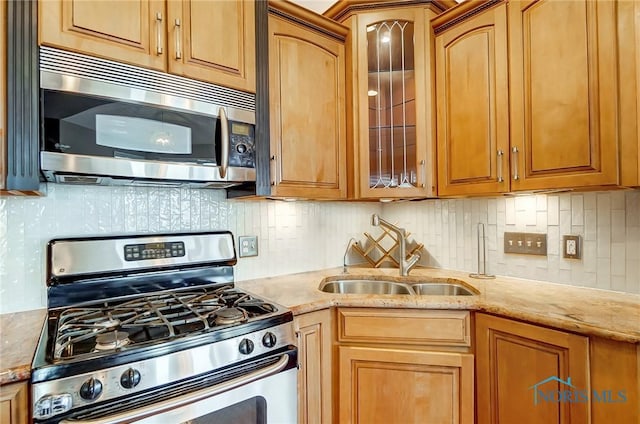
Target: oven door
x: 266, y: 395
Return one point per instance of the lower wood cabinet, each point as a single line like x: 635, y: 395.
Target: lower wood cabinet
x: 315, y: 337
x: 404, y: 366
x: 13, y: 403
x: 531, y: 374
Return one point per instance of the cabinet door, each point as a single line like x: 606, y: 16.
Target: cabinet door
x: 213, y: 41
x: 563, y: 93
x: 130, y: 31
x: 13, y: 404
x: 306, y: 89
x: 315, y: 373
x: 393, y: 103
x: 524, y: 369
x: 473, y: 105
x: 380, y: 385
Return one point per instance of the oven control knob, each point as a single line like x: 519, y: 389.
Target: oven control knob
x: 269, y: 339
x: 241, y: 148
x: 91, y: 389
x: 246, y: 346
x: 130, y: 378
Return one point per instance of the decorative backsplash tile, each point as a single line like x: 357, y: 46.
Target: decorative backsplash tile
x: 609, y: 223
x: 304, y: 236
x: 292, y: 236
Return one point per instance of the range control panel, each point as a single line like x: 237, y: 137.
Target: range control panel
x: 138, y: 252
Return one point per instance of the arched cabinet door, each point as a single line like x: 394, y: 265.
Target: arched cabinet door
x: 563, y: 86
x: 307, y: 112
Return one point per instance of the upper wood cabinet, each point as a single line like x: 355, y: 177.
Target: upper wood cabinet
x: 629, y: 75
x: 307, y: 104
x: 210, y: 41
x: 562, y: 67
x: 314, y: 331
x: 401, y: 366
x: 472, y: 103
x: 389, y: 74
x: 527, y: 95
x: 516, y: 362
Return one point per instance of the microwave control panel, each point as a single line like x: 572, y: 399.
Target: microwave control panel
x: 242, y: 142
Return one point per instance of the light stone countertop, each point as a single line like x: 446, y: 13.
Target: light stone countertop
x: 603, y: 313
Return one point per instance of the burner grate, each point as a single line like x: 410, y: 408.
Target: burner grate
x: 153, y: 318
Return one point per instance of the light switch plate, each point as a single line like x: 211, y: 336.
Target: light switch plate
x: 525, y: 243
x: 571, y: 248
x: 248, y: 246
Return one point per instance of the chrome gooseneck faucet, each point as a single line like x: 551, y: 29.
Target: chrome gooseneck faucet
x: 346, y: 252
x: 482, y: 251
x: 405, y: 263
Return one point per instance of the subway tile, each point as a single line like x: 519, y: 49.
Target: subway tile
x: 604, y: 209
x: 603, y: 272
x: 618, y: 225
x: 553, y: 216
x: 589, y: 201
x: 565, y: 202
x: 541, y: 202
x: 617, y: 199
x: 510, y: 211
x: 590, y: 224
x: 618, y: 259
x: 577, y: 209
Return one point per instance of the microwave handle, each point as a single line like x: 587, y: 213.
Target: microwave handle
x: 224, y: 131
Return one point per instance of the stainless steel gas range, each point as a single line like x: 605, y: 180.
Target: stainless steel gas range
x: 151, y: 329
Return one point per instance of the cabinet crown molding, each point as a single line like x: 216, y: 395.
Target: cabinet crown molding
x: 308, y: 19
x: 461, y: 12
x: 344, y: 8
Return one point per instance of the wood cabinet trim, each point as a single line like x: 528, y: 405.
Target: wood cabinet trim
x: 343, y: 9
x: 308, y: 19
x: 461, y: 13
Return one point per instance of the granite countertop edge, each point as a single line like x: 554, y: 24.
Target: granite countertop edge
x: 586, y: 311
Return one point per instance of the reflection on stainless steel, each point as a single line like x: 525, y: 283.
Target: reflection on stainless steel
x: 371, y: 286
x: 67, y: 71
x: 96, y: 255
x: 56, y: 166
x: 440, y: 289
x: 365, y: 287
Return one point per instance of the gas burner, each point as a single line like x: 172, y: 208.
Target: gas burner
x: 230, y: 316
x: 108, y: 323
x: 112, y: 340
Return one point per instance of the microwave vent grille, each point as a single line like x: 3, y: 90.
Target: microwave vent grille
x: 107, y: 71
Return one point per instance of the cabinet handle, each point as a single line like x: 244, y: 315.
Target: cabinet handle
x: 273, y: 169
x: 500, y: 159
x: 224, y: 143
x: 178, y: 35
x: 423, y: 169
x: 158, y: 33
x: 516, y: 175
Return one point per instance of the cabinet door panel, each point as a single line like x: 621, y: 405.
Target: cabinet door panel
x: 401, y: 386
x: 315, y: 373
x: 308, y: 136
x: 132, y: 32
x: 472, y: 102
x: 563, y: 86
x: 213, y: 41
x: 512, y: 358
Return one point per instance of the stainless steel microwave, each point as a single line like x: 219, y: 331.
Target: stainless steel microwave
x: 108, y: 123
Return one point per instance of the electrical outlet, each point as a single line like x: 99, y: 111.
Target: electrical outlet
x: 571, y: 247
x: 525, y: 243
x: 248, y: 246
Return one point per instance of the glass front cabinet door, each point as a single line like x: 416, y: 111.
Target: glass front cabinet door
x: 393, y: 109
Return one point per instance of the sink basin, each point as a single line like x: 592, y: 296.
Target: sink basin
x: 442, y: 289
x: 415, y: 287
x: 365, y: 287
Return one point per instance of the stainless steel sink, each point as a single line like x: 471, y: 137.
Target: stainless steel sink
x: 416, y: 287
x: 365, y: 287
x: 441, y: 289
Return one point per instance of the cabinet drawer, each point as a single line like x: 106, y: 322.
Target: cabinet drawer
x: 406, y: 326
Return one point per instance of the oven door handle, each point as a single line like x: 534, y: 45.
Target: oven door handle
x: 183, y: 400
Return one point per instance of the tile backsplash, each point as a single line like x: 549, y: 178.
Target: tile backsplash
x: 304, y: 236
x: 609, y: 223
x: 292, y: 236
